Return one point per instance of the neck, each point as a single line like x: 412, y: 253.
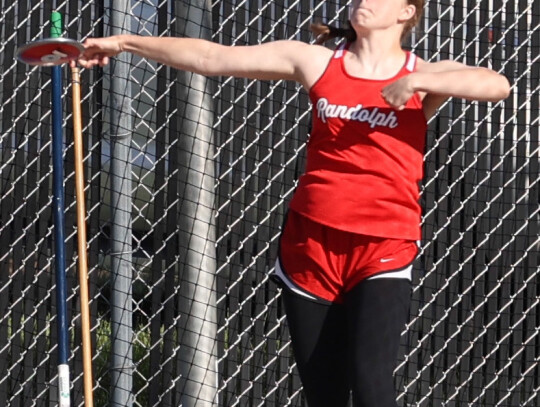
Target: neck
x: 376, y: 54
x: 378, y: 42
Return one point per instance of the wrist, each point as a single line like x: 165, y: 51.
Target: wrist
x: 415, y: 82
x: 426, y: 82
x: 124, y: 43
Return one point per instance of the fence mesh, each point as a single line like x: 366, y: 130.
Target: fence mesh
x: 210, y: 166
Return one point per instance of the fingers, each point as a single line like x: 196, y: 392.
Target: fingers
x: 398, y: 93
x: 394, y: 103
x: 89, y: 60
x: 97, y: 52
x: 395, y: 100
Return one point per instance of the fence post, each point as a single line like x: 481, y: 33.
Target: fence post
x: 121, y: 201
x: 197, y: 357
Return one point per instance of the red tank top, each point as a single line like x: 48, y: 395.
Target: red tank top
x: 364, y: 159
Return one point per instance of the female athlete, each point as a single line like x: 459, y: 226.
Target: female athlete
x: 354, y: 221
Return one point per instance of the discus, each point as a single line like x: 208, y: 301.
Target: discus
x: 50, y: 51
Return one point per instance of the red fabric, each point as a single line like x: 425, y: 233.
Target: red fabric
x: 364, y: 159
x: 327, y: 262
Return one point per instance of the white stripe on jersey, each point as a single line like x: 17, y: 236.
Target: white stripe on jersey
x: 339, y: 51
x: 411, y: 62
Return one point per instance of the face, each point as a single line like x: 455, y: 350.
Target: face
x: 368, y: 15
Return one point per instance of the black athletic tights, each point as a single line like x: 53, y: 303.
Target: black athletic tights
x: 350, y: 347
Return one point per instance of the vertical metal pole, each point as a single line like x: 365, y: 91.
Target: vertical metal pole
x: 121, y: 256
x: 197, y: 357
x: 59, y: 228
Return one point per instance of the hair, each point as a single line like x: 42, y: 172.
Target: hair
x: 325, y: 32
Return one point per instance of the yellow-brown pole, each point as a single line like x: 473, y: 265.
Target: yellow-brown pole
x: 81, y: 238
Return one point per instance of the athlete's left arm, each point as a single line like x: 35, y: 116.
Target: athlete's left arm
x: 445, y: 79
x: 438, y: 81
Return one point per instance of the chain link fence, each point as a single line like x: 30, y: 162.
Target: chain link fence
x: 200, y: 171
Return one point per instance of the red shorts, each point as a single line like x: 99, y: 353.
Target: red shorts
x: 326, y: 263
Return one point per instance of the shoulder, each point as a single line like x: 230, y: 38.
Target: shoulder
x: 300, y: 48
x: 290, y: 49
x: 438, y: 66
x: 302, y: 54
x: 312, y: 51
x: 273, y: 60
x: 311, y: 62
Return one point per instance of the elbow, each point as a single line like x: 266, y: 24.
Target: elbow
x: 202, y: 67
x: 203, y: 64
x: 201, y: 58
x: 211, y: 59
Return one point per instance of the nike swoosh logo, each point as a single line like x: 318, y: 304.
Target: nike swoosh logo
x: 385, y: 260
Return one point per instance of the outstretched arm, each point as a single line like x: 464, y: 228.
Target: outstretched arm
x: 270, y: 61
x: 442, y: 80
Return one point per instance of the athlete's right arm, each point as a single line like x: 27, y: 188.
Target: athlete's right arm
x: 289, y: 60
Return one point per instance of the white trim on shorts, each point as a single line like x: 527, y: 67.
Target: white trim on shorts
x: 278, y: 271
x: 405, y: 273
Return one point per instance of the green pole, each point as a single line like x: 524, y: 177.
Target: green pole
x: 56, y: 24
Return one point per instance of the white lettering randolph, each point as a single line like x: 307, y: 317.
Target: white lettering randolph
x: 372, y: 116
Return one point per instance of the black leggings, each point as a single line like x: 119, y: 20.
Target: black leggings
x: 350, y: 347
